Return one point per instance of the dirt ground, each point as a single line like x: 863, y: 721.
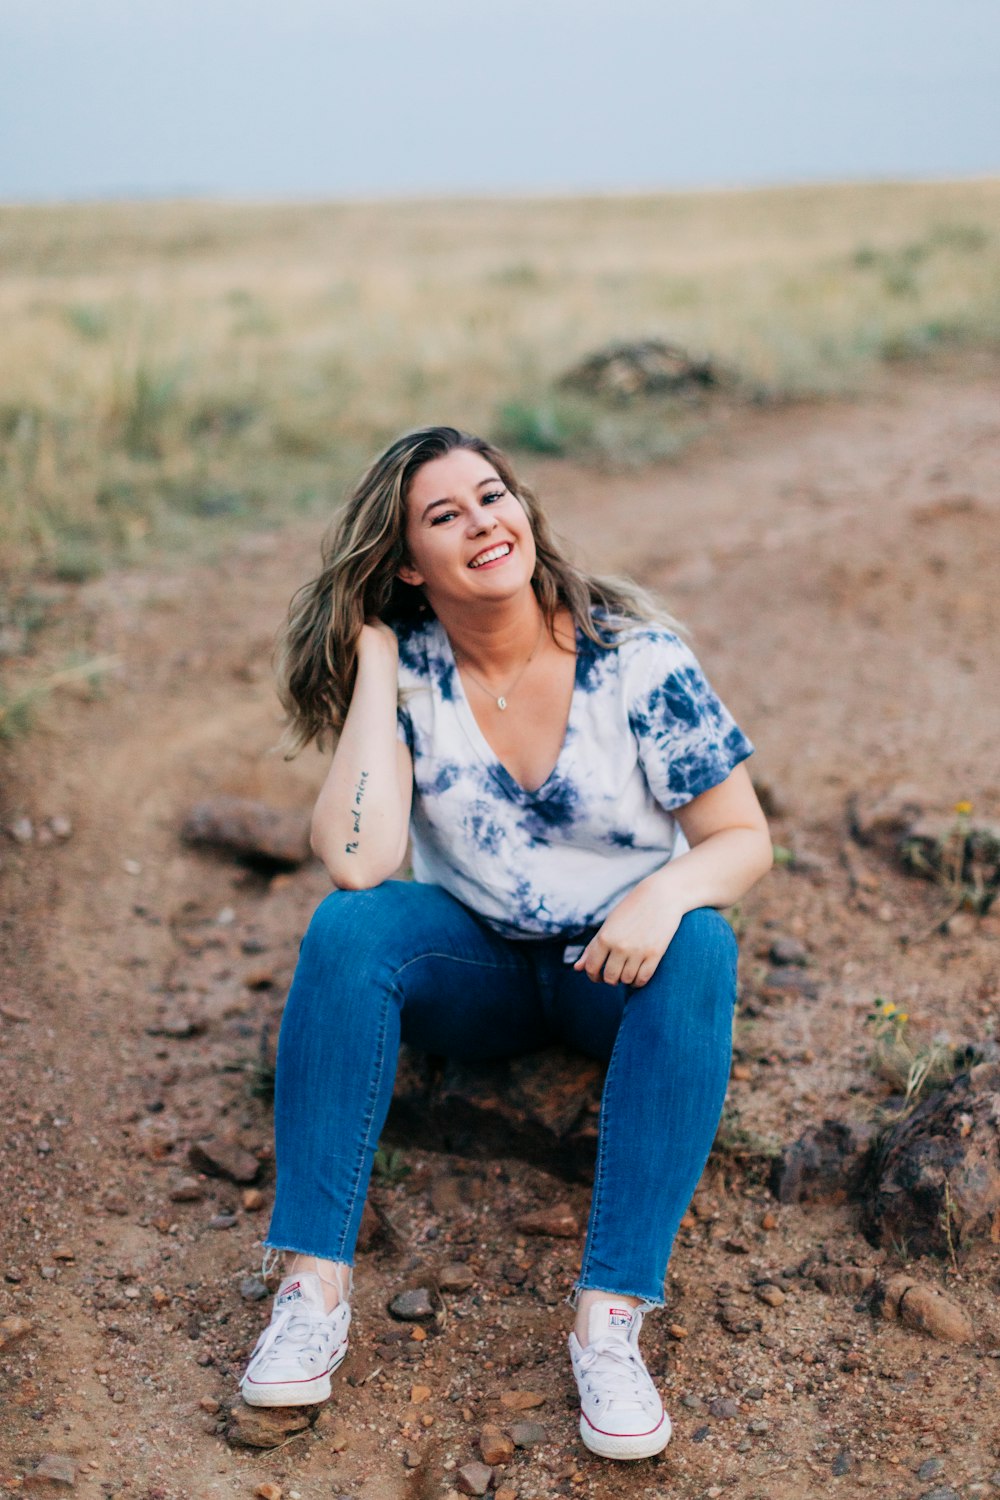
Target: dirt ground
x: 838, y: 567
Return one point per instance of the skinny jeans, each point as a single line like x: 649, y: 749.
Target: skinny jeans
x: 406, y: 961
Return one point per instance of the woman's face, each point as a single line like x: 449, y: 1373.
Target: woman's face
x: 468, y: 537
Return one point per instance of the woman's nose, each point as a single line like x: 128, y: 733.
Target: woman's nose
x: 481, y: 520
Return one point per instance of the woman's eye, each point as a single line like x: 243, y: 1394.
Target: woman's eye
x: 494, y: 495
x: 443, y: 515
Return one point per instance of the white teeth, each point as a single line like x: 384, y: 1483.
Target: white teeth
x: 491, y: 555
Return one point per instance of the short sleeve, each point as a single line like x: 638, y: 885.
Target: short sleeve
x: 687, y: 739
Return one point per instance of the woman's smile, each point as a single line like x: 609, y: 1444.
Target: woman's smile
x: 493, y: 554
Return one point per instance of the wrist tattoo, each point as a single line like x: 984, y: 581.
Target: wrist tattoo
x: 359, y: 792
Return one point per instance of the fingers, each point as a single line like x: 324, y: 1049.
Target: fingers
x: 599, y: 961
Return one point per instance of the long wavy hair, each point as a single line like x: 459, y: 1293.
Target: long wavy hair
x: 362, y: 552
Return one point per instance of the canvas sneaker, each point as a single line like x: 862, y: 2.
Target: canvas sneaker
x: 621, y: 1414
x: 300, y: 1348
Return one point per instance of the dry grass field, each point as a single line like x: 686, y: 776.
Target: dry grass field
x: 174, y: 369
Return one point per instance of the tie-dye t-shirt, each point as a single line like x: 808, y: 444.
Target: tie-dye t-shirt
x: 646, y: 734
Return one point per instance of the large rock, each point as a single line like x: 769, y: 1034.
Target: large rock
x: 542, y: 1108
x: 926, y: 1309
x: 640, y: 368
x: 268, y: 836
x: 828, y: 1161
x: 935, y: 1183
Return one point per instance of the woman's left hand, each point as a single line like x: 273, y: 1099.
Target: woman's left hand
x: 633, y: 937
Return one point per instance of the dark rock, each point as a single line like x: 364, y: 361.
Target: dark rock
x: 940, y: 1492
x: 267, y: 836
x: 882, y: 817
x: 956, y: 850
x: 253, y: 1289
x: 937, y: 1172
x: 55, y: 1468
x: 414, y: 1306
x: 842, y: 1464
x: 931, y: 1468
x: 827, y: 1161
x: 723, y: 1407
x: 638, y: 368
x: 847, y: 1281
x: 788, y: 950
x: 778, y: 983
x: 474, y: 1478
x: 223, y: 1159
x: 542, y: 1108
x: 526, y: 1434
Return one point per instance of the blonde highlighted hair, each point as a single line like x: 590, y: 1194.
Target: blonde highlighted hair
x: 362, y: 553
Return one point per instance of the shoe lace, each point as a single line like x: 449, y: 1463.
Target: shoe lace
x: 619, y: 1368
x: 302, y: 1330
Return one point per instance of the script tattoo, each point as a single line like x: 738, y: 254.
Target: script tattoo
x: 359, y: 792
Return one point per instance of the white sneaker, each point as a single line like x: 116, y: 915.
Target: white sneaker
x: 300, y: 1348
x: 621, y: 1414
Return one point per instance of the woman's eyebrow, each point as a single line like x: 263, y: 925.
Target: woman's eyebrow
x: 490, y: 479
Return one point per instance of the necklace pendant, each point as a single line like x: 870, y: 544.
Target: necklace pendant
x: 501, y: 702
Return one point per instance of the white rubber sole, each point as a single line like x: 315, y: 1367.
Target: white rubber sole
x: 626, y: 1446
x: 298, y: 1393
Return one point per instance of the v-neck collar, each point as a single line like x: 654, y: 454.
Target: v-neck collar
x: 511, y: 786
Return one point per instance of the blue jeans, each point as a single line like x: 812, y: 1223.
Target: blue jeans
x: 405, y: 961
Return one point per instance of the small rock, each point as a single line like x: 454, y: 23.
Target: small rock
x: 55, y: 1468
x: 474, y: 1478
x: 21, y: 830
x: 558, y: 1222
x: 693, y: 1402
x: 736, y: 1247
x: 131, y: 867
x: 412, y: 1306
x: 842, y: 1464
x: 223, y: 1159
x: 526, y: 1434
x: 495, y: 1446
x: 419, y: 1393
x: 931, y: 1468
x: 773, y: 1296
x: 778, y: 983
x: 505, y: 1493
x: 758, y: 1427
x: 267, y: 1426
x: 268, y: 1492
x: 677, y: 1331
x: 60, y: 826
x: 114, y: 1202
x: 847, y: 1281
x: 523, y: 1400
x: 742, y: 1072
x: 222, y: 1221
x: 787, y: 951
x: 922, y: 1307
x: 253, y: 1289
x: 13, y: 1328
x: 769, y: 1221
x: 209, y: 1404
x: 700, y: 1434
x: 455, y: 1277
x: 940, y: 1492
x: 187, y: 1190
x: 723, y: 1407
x: 411, y: 1458
x: 252, y: 1200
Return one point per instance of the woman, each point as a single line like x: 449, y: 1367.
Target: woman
x: 578, y: 806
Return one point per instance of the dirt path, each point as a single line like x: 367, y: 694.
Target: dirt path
x: 839, y: 569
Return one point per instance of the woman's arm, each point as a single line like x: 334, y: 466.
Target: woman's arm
x: 730, y: 850
x: 362, y: 814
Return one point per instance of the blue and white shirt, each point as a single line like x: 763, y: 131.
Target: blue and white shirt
x: 646, y: 734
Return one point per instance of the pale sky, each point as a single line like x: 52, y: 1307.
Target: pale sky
x: 314, y: 98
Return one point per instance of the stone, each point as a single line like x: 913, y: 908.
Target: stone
x: 639, y: 367
x: 523, y: 1400
x: 771, y: 1296
x: 758, y: 1427
x: 267, y: 1426
x: 786, y: 951
x: 723, y: 1407
x: 526, y: 1434
x: 222, y: 1221
x: 22, y: 830
x: 827, y: 1162
x: 252, y: 1200
x: 847, y: 1281
x: 55, y: 1468
x: 187, y: 1190
x: 940, y: 1492
x: 778, y: 984
x: 920, y: 1306
x: 253, y: 1289
x: 223, y: 1158
x: 693, y: 1402
x: 938, y: 846
x: 936, y: 1183
x: 13, y: 1328
x: 473, y: 1478
x: 271, y: 837
x: 505, y: 1493
x: 455, y: 1277
x: 268, y: 1491
x: 412, y: 1306
x: 558, y: 1222
x: 842, y: 1464
x: 881, y: 817
x: 931, y: 1468
x: 419, y: 1393
x: 495, y: 1446
x: 60, y: 825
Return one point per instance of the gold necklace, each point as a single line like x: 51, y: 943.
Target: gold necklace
x: 500, y: 699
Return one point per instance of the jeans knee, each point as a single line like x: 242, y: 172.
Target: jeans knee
x: 706, y: 935
x: 355, y: 923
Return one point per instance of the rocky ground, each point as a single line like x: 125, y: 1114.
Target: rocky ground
x: 838, y: 569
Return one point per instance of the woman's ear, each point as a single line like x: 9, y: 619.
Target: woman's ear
x: 410, y: 575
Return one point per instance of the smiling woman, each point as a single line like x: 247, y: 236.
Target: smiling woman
x: 577, y: 803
